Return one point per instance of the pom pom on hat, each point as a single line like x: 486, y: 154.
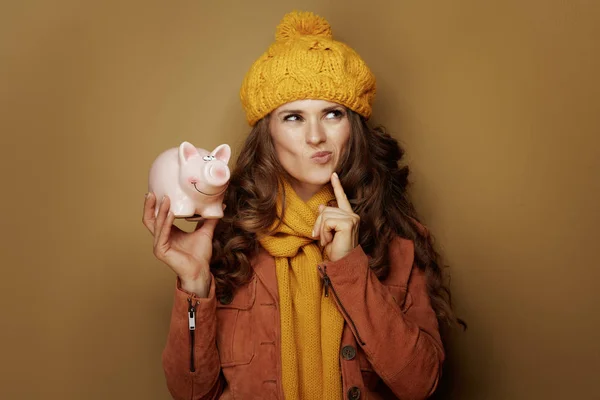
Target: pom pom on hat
x: 299, y: 23
x: 305, y: 62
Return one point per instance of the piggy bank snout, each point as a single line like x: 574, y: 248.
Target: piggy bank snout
x: 218, y: 174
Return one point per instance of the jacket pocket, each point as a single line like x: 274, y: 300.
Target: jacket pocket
x: 369, y: 377
x: 235, y: 341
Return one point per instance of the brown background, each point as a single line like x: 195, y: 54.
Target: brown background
x: 497, y: 103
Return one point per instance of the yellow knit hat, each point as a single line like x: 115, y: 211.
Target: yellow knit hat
x: 305, y: 62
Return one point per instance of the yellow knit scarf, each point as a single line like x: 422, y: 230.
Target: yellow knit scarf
x: 311, y: 325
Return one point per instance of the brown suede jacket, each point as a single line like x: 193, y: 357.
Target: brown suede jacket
x: 390, y: 345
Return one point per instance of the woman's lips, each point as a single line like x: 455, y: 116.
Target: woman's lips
x: 322, y: 157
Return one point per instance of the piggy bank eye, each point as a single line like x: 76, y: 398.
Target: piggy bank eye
x: 207, y: 158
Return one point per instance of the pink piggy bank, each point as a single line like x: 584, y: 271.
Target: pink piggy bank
x: 194, y: 179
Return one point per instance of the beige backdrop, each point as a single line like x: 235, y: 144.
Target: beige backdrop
x: 497, y: 103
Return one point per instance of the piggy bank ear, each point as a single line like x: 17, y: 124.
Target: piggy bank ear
x: 186, y: 151
x: 222, y: 153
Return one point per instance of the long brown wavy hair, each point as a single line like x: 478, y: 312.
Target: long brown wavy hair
x: 374, y: 182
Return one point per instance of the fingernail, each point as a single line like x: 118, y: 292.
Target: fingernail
x: 336, y: 175
x: 146, y: 195
x: 313, y: 233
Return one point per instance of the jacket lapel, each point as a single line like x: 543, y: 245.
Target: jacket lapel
x: 264, y: 267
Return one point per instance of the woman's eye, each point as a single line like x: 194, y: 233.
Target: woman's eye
x: 292, y: 117
x: 335, y: 114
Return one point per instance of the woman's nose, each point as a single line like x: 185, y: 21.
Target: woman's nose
x: 315, y: 134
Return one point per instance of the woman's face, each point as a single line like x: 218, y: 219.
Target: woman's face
x: 309, y: 138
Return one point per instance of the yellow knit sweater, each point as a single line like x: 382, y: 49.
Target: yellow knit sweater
x: 311, y: 325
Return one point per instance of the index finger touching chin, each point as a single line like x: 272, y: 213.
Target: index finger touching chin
x: 340, y: 195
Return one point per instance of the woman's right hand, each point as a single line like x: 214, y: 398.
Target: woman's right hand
x: 187, y: 254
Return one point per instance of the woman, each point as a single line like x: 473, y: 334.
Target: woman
x: 318, y: 283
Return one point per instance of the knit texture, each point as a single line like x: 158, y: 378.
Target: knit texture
x: 305, y: 62
x: 311, y: 325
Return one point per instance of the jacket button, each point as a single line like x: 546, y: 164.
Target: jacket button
x: 353, y: 393
x: 226, y: 299
x: 348, y: 352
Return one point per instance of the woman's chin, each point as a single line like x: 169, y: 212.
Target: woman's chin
x: 312, y: 177
x: 320, y: 180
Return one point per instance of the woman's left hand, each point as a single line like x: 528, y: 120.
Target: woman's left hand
x: 337, y: 227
